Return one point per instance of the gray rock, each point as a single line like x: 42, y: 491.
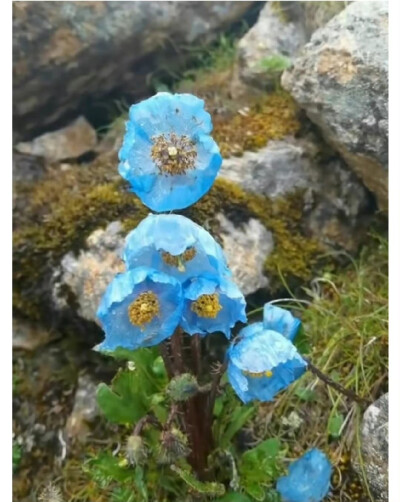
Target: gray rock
x: 67, y: 52
x: 269, y: 37
x: 85, y: 409
x: 335, y: 202
x: 30, y: 336
x: 374, y: 448
x: 279, y: 34
x: 88, y: 274
x: 70, y: 142
x: 341, y: 80
x: 246, y: 248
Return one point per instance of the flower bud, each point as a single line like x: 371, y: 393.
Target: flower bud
x: 174, y: 445
x: 182, y: 387
x: 136, y: 450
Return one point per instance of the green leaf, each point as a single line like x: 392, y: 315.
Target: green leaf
x: 307, y: 395
x: 136, y: 390
x: 234, y: 497
x: 335, y: 424
x: 16, y: 456
x: 259, y: 468
x: 104, y: 469
x: 267, y: 449
x: 140, y: 483
x: 210, y: 489
x: 240, y: 416
x: 302, y: 342
x: 124, y: 402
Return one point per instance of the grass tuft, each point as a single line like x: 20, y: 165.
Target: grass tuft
x: 345, y: 334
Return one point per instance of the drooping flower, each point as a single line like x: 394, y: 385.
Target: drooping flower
x: 308, y: 479
x: 176, y: 246
x: 168, y: 155
x: 262, y: 363
x: 281, y: 320
x: 140, y: 308
x: 212, y: 304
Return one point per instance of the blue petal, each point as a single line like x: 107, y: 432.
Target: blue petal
x: 308, y: 479
x: 281, y: 320
x: 251, y: 329
x: 174, y: 234
x: 231, y: 300
x: 262, y: 351
x: 257, y: 353
x: 164, y: 113
x: 113, y: 309
x: 182, y: 114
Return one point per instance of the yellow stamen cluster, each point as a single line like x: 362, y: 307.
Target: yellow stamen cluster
x: 179, y: 260
x: 260, y: 374
x: 143, y: 309
x: 173, y: 154
x: 207, y: 306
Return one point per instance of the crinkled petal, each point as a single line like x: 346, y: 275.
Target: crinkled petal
x: 267, y: 360
x: 308, y: 479
x: 164, y: 114
x: 230, y: 298
x: 281, y: 320
x: 174, y: 234
x: 171, y: 113
x: 239, y: 383
x: 262, y: 351
x: 113, y: 309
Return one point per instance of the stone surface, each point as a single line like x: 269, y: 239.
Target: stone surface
x: 66, y: 53
x: 71, y: 142
x: 334, y: 199
x: 341, y: 80
x: 246, y: 248
x: 29, y: 336
x: 88, y: 274
x: 374, y: 448
x: 85, y: 409
x: 279, y: 34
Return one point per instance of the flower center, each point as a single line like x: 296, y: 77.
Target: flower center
x: 179, y: 260
x: 173, y: 154
x: 260, y: 374
x: 143, y: 309
x: 207, y: 306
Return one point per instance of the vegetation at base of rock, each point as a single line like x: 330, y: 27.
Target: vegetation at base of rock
x: 346, y: 336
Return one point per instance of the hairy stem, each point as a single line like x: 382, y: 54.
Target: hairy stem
x: 165, y: 352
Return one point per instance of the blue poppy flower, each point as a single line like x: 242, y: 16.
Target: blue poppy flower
x: 262, y: 363
x: 140, y: 308
x: 176, y: 246
x: 212, y: 304
x: 308, y: 479
x: 168, y: 155
x: 281, y: 320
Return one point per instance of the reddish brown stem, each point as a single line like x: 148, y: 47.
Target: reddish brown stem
x: 335, y: 385
x: 195, y: 342
x: 167, y: 358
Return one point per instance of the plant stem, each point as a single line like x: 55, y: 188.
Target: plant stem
x: 196, y: 353
x: 176, y: 347
x: 214, y: 388
x: 335, y: 385
x: 147, y: 419
x: 167, y: 358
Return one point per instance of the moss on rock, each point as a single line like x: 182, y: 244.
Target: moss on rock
x: 63, y: 209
